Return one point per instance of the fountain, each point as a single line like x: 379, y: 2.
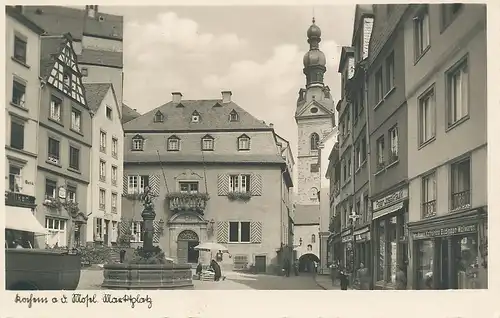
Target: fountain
x: 149, y: 269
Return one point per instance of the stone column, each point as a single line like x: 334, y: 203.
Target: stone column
x: 148, y: 215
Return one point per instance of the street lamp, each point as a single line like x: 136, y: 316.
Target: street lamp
x: 353, y: 217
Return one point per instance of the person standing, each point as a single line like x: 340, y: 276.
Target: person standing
x: 344, y: 280
x: 215, y: 266
x: 363, y: 277
x: 401, y: 278
x: 286, y: 267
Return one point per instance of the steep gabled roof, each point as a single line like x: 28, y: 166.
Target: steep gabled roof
x: 361, y: 10
x: 50, y: 47
x: 179, y: 118
x: 128, y: 114
x: 57, y: 20
x: 95, y: 93
x: 21, y: 18
x: 104, y: 58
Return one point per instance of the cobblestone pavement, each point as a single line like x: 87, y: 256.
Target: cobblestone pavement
x: 92, y: 279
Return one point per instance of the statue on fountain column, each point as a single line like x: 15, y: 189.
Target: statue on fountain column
x: 147, y: 199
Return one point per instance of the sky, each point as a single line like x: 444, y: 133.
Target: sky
x: 254, y: 51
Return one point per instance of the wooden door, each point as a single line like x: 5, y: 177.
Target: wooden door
x: 260, y: 263
x: 182, y: 251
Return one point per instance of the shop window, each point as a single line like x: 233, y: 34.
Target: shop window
x: 381, y: 250
x: 425, y: 264
x: 392, y: 253
x: 466, y: 262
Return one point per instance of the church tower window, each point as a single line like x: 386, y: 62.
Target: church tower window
x: 314, y: 141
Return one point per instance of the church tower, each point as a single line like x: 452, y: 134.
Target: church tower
x: 315, y: 118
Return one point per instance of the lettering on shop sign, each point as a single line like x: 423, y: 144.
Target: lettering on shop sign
x: 390, y: 199
x: 346, y: 239
x: 448, y: 231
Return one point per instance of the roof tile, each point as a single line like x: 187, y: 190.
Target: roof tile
x: 95, y: 93
x: 104, y: 58
x: 179, y: 118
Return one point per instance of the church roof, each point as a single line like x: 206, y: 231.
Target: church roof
x: 306, y: 214
x: 214, y: 115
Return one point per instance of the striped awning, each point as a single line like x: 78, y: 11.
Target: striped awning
x: 22, y: 219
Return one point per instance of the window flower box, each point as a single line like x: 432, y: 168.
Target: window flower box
x: 52, y: 203
x: 181, y: 201
x: 239, y: 196
x: 380, y: 166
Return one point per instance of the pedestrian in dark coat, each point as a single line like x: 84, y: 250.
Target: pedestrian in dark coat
x: 344, y: 280
x: 215, y: 266
x: 286, y: 267
x: 400, y: 278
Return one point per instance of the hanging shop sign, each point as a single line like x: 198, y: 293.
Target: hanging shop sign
x: 363, y: 237
x: 390, y: 199
x: 346, y: 232
x: 447, y: 231
x: 346, y: 239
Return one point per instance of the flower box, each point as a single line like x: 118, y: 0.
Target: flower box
x: 180, y: 201
x: 239, y: 196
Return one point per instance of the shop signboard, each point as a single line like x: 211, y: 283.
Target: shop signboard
x: 390, y: 199
x: 446, y: 231
x: 346, y: 239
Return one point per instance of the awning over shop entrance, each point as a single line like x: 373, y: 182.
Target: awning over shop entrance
x: 389, y: 210
x: 22, y: 219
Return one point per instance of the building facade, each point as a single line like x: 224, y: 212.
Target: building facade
x: 106, y: 179
x: 388, y: 117
x: 97, y: 40
x: 353, y: 203
x: 325, y: 148
x: 214, y: 169
x: 22, y: 87
x: 445, y: 67
x: 64, y: 143
x: 315, y: 120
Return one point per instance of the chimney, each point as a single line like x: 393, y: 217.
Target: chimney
x: 226, y: 97
x: 176, y: 97
x: 271, y: 125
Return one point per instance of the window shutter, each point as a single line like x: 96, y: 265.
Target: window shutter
x: 156, y: 233
x: 154, y: 184
x: 222, y: 232
x: 125, y: 184
x: 255, y: 232
x: 256, y: 184
x: 222, y: 184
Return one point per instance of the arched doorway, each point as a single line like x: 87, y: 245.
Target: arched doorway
x: 306, y: 262
x: 186, y: 241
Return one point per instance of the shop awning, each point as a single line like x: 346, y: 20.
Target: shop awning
x: 22, y: 219
x: 388, y: 210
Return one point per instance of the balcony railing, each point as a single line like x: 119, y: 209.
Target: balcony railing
x: 460, y: 200
x: 429, y: 209
x: 180, y: 201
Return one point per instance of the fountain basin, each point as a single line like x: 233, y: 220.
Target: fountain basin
x: 147, y: 276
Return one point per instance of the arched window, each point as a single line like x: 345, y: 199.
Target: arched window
x: 314, y: 141
x: 313, y: 238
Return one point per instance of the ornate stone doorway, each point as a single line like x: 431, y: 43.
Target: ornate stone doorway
x: 186, y: 241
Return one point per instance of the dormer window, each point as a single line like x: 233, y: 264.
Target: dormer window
x: 173, y: 143
x: 137, y: 143
x: 233, y: 116
x: 195, y: 117
x: 243, y: 142
x: 158, y: 117
x: 207, y: 143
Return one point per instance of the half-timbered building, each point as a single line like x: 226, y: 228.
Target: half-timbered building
x: 64, y: 142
